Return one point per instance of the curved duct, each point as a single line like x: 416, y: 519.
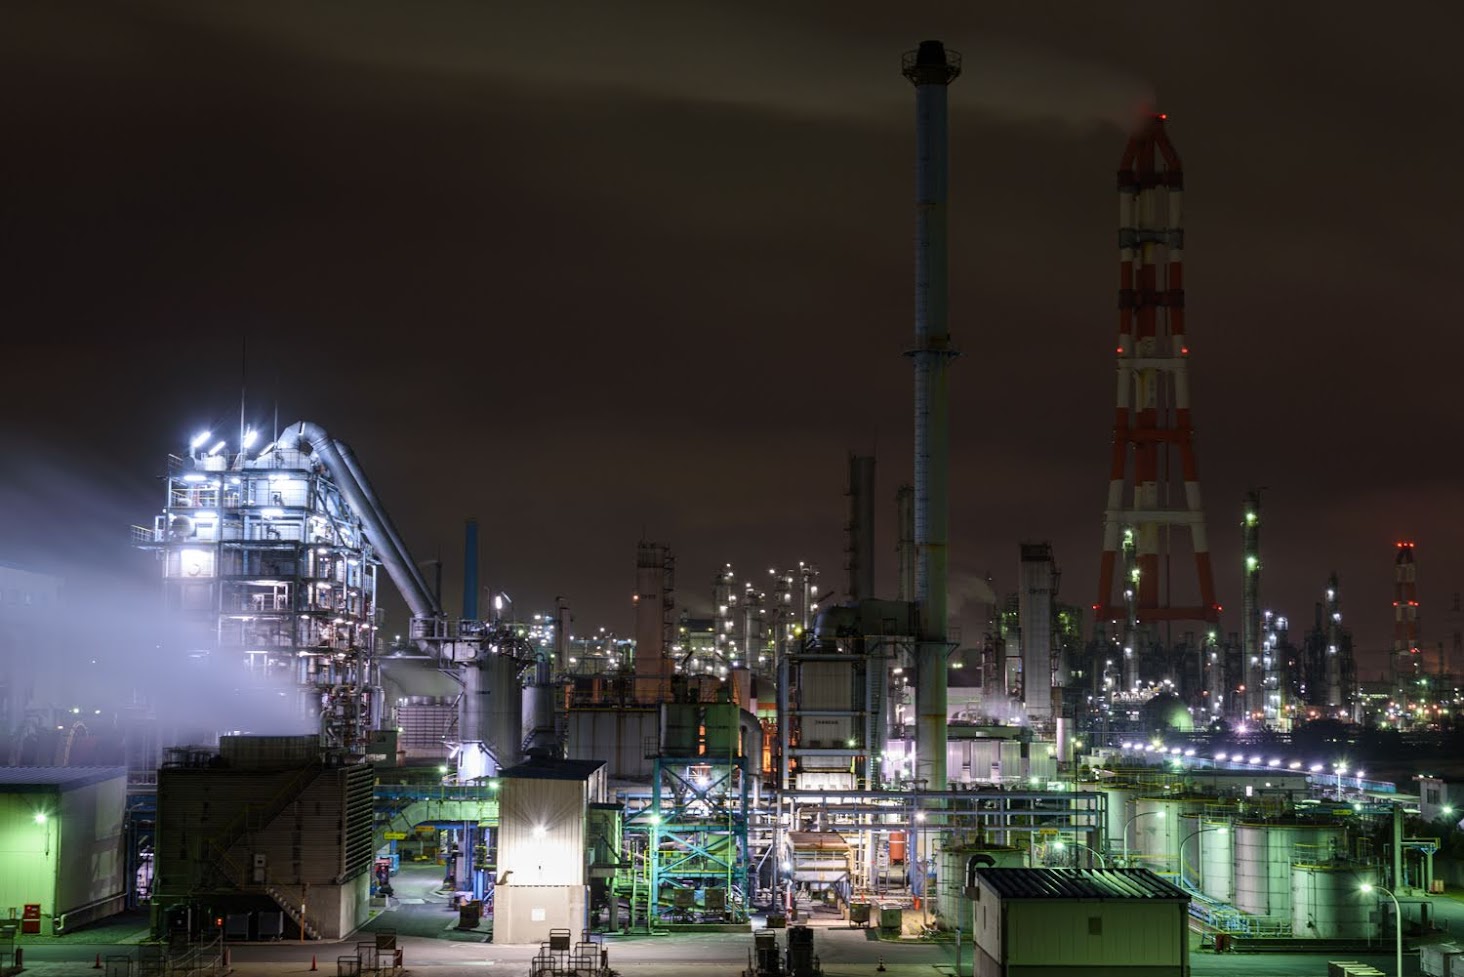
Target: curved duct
x: 313, y: 440
x: 354, y: 467
x: 832, y: 623
x: 974, y: 865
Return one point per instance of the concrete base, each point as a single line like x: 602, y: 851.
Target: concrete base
x: 526, y: 913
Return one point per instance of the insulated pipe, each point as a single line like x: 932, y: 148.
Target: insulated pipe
x: 354, y: 467
x: 931, y: 69
x: 312, y: 439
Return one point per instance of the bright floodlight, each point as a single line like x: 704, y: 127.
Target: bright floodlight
x: 250, y: 436
x: 40, y: 817
x: 538, y: 831
x: 1059, y: 845
x: 217, y: 448
x: 1366, y: 887
x: 199, y: 440
x: 919, y: 815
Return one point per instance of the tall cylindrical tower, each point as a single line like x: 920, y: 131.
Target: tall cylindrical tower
x: 861, y: 527
x: 1253, y: 672
x: 1333, y: 661
x: 470, y: 570
x: 931, y: 68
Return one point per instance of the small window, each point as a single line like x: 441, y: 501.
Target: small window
x: 1095, y: 925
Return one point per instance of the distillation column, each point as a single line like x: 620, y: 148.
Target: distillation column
x: 1332, y: 663
x: 931, y: 69
x: 1253, y: 672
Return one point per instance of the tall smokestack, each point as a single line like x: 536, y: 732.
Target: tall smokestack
x: 470, y: 571
x: 861, y: 527
x: 931, y: 69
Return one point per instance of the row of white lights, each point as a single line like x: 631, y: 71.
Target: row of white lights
x: 1339, y: 768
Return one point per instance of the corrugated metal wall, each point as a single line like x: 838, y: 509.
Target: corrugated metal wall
x: 619, y: 737
x: 542, y: 831
x: 90, y: 868
x: 311, y: 826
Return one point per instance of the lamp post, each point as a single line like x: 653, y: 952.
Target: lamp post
x: 1141, y: 814
x: 1397, y: 921
x: 1059, y: 845
x: 1194, y: 834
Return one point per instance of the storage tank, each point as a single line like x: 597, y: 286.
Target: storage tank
x: 1119, y: 802
x: 1326, y: 903
x: 1264, y: 853
x: 1210, y: 856
x: 680, y: 724
x: 952, y: 908
x: 1158, y: 826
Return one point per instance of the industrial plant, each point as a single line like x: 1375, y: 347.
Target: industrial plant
x: 1082, y: 778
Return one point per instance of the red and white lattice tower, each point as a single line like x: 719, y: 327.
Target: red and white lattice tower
x: 1154, y: 487
x: 1407, y: 661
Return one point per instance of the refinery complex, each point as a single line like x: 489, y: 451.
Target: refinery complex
x: 812, y: 749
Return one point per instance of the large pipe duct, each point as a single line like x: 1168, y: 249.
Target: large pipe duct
x: 931, y: 69
x: 389, y: 528
x: 313, y: 440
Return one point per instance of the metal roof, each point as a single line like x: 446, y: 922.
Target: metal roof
x: 20, y: 780
x: 1077, y: 883
x: 552, y: 768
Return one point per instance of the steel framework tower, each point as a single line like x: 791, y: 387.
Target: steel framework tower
x: 1154, y: 488
x: 1407, y: 659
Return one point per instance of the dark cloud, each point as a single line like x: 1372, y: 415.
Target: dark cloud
x: 589, y: 271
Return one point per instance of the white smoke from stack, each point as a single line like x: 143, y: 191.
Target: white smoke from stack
x: 681, y: 52
x: 970, y: 588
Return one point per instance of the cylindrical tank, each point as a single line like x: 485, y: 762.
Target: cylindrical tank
x: 1157, y: 827
x: 722, y: 737
x: 492, y: 709
x: 679, y: 724
x: 1213, y: 850
x: 1326, y: 903
x: 952, y: 908
x: 897, y: 847
x: 1264, y: 853
x: 1119, y: 800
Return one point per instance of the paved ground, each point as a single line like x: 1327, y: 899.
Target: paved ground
x: 434, y: 947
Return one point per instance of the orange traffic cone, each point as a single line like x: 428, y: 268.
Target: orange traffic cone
x: 312, y: 962
x: 98, y: 964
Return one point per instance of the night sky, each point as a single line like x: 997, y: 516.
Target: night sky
x: 594, y: 271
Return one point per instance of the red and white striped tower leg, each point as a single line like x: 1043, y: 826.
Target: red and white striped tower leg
x: 1156, y: 495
